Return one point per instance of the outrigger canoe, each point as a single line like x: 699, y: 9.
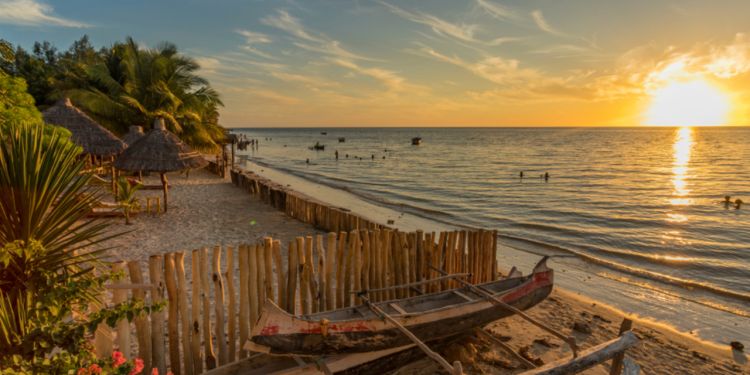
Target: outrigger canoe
x: 430, y: 317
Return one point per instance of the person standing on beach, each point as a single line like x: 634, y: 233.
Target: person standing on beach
x: 520, y: 175
x: 337, y: 154
x: 546, y: 176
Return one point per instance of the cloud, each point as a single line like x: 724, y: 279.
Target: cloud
x: 312, y: 82
x: 497, y: 11
x: 33, y: 13
x: 251, y: 39
x: 208, y: 64
x: 286, y: 22
x: 542, y: 23
x: 390, y: 79
x: 463, y: 32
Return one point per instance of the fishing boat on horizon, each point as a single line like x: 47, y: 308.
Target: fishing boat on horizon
x: 416, y: 141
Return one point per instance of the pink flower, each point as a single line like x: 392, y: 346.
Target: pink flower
x: 138, y: 366
x: 95, y: 369
x: 117, y: 359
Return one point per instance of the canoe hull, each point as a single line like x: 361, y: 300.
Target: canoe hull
x: 280, y: 333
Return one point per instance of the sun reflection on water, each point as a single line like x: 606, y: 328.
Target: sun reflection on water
x: 683, y: 146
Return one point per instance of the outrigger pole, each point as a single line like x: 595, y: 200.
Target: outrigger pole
x: 456, y: 369
x: 570, y: 340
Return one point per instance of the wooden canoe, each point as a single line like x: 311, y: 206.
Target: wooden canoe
x: 430, y: 317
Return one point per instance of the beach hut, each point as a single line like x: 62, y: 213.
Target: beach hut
x: 92, y: 137
x: 135, y: 133
x: 159, y: 151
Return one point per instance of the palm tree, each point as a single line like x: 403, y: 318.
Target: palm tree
x: 133, y: 85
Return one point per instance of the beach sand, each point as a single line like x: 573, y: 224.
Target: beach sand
x: 206, y: 210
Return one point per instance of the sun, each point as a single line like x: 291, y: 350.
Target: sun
x: 690, y: 103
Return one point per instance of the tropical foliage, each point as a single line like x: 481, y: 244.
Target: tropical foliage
x: 125, y: 84
x: 47, y: 254
x: 126, y: 197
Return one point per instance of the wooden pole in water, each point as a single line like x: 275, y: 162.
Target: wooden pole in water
x: 208, y: 348
x: 221, y: 339
x: 280, y: 277
x: 244, y: 300
x: 155, y: 272
x: 328, y: 271
x: 195, y: 341
x: 187, y: 358
x: 172, y: 324
x: 340, y: 260
x: 142, y: 328
x: 231, y: 307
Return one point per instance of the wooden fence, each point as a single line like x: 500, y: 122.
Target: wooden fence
x: 209, y: 314
x: 306, y: 209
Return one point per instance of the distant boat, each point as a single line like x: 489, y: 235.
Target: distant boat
x: 318, y: 147
x: 324, y: 133
x: 416, y: 141
x: 342, y: 139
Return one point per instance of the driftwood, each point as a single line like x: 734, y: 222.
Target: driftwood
x: 589, y: 357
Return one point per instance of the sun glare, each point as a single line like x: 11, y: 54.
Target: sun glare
x: 692, y: 103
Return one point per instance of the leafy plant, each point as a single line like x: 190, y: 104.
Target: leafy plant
x: 126, y: 198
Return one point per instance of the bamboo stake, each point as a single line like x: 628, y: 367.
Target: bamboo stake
x: 221, y: 339
x: 462, y: 251
x: 311, y: 281
x: 366, y: 259
x: 268, y: 262
x: 330, y: 257
x: 143, y: 330
x: 195, y: 341
x: 494, y: 255
x: 208, y: 348
x: 155, y: 272
x: 172, y: 324
x: 397, y: 258
x: 244, y: 300
x: 231, y: 307
x: 428, y: 245
x: 374, y: 270
x: 261, y: 275
x: 405, y: 265
x: 320, y: 298
x: 357, y: 259
x: 450, y: 238
x: 349, y: 268
x: 291, y: 297
x: 303, y: 276
x: 123, y: 328
x: 340, y: 260
x: 281, y: 280
x: 253, y: 284
x: 187, y: 358
x: 387, y: 270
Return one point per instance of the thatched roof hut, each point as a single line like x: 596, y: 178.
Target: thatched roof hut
x: 135, y: 133
x: 92, y: 137
x: 159, y: 151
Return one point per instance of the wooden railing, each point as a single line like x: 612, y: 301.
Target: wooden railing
x: 214, y: 296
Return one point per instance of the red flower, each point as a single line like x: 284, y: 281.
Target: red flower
x: 117, y: 359
x: 138, y: 367
x: 82, y: 371
x: 95, y: 369
x: 154, y: 371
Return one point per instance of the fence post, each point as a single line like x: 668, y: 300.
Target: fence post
x: 142, y: 327
x: 155, y: 272
x: 221, y: 339
x: 244, y: 300
x: 231, y: 307
x: 172, y: 324
x: 187, y: 357
x: 195, y: 338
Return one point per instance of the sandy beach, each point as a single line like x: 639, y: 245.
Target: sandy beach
x: 206, y: 210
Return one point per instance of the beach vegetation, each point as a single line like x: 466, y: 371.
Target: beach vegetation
x: 126, y: 196
x: 124, y: 84
x: 49, y: 252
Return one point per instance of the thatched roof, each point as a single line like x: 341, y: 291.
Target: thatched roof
x: 134, y: 133
x: 159, y: 151
x: 92, y: 137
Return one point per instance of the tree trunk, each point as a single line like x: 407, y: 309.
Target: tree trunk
x: 164, y: 186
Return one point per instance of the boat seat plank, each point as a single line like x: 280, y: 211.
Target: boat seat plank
x: 398, y: 308
x: 464, y: 296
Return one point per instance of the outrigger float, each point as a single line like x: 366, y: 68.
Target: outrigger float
x: 375, y: 337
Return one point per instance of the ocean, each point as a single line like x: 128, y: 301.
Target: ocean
x: 640, y: 209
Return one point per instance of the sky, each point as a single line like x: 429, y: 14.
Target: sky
x: 434, y: 62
